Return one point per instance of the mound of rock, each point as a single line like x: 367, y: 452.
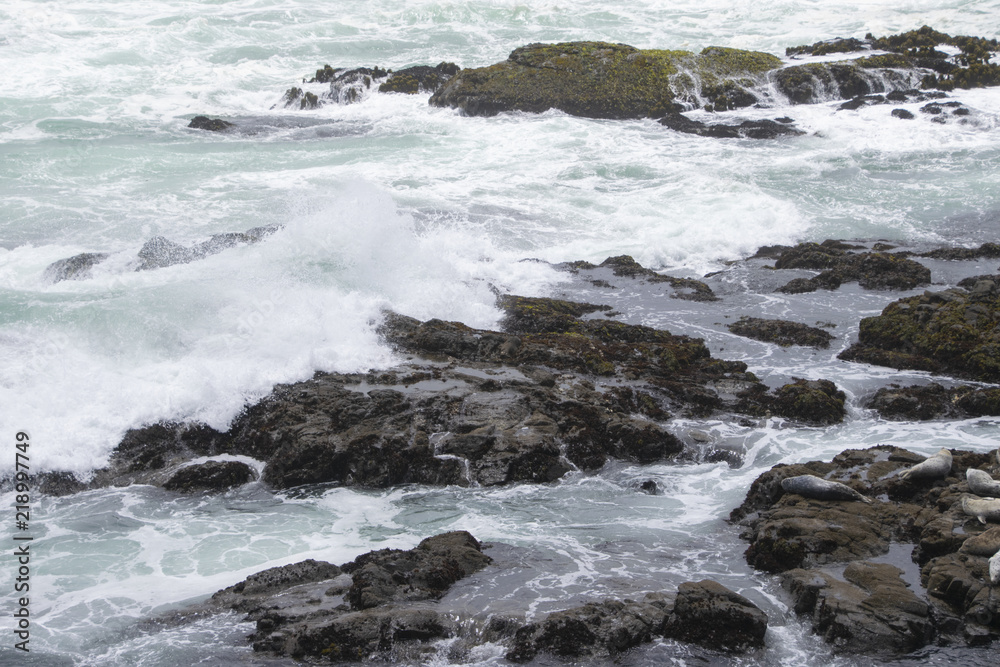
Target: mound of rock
x: 603, y: 80
x: 872, y: 607
x: 954, y: 331
x: 782, y: 332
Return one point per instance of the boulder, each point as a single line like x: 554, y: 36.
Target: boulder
x: 709, y: 614
x: 601, y: 80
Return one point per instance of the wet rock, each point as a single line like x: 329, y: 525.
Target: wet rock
x: 933, y: 401
x: 871, y: 611
x: 989, y: 250
x: 601, y: 629
x: 210, y: 124
x: 815, y: 402
x: 379, y: 603
x: 210, y: 476
x: 713, y: 616
x: 868, y: 609
x: 159, y: 252
x: 684, y: 288
x: 872, y: 270
x: 600, y: 80
x: 818, y: 82
x: 782, y: 332
x: 903, y: 114
x: 826, y: 47
x: 419, y: 79
x: 77, y: 267
x: 748, y: 129
x: 952, y: 331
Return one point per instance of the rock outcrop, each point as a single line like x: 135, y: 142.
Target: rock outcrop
x: 871, y: 607
x: 954, y: 331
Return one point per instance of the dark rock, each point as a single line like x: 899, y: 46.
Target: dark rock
x: 600, y: 80
x: 817, y: 82
x: 817, y: 402
x: 868, y: 609
x: 77, y: 267
x: 782, y: 332
x: 210, y: 476
x: 872, y: 612
x: 872, y: 270
x: 713, y: 616
x: 748, y: 129
x: 210, y: 124
x: 923, y: 402
x: 602, y: 629
x: 826, y: 47
x: 989, y: 250
x: 684, y: 288
x: 421, y: 78
x: 253, y: 590
x: 379, y: 603
x: 902, y: 113
x: 953, y: 331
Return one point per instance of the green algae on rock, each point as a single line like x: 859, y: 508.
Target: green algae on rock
x: 954, y: 331
x: 600, y: 79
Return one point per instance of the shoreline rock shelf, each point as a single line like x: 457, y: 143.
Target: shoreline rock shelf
x: 870, y: 607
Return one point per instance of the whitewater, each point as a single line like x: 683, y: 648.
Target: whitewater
x: 390, y: 203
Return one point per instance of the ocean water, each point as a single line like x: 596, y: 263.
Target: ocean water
x: 390, y: 203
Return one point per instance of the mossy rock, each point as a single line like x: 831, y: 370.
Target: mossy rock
x: 954, y: 331
x: 595, y: 79
x: 781, y: 332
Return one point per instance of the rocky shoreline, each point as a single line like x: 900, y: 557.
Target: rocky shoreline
x: 565, y: 386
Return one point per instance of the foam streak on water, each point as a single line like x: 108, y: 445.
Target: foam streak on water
x: 390, y: 203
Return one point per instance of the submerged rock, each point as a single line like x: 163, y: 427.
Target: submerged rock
x: 159, y: 252
x: 210, y: 124
x: 748, y: 129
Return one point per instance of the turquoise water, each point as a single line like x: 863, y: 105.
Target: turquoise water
x: 390, y: 203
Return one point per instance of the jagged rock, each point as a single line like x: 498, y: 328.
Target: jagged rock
x: 421, y: 78
x: 210, y: 476
x: 685, y: 288
x: 782, y: 332
x: 381, y: 601
x: 989, y: 250
x: 953, y: 331
x: 816, y: 82
x: 868, y: 609
x: 599, y: 80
